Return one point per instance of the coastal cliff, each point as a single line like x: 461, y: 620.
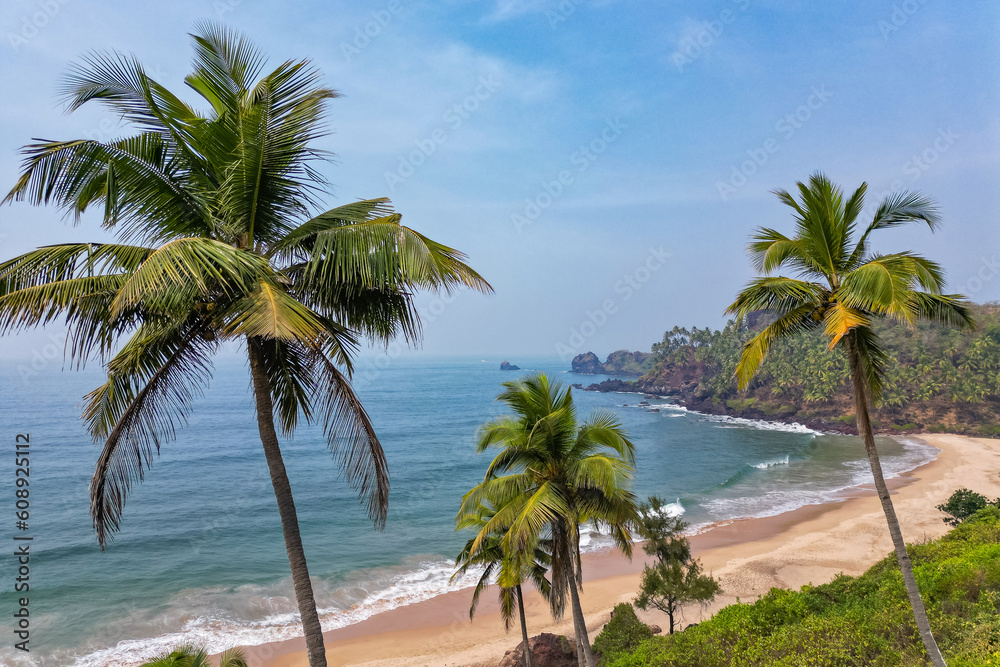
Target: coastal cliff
x: 938, y: 379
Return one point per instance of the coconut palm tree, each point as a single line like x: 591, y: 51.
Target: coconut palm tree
x: 192, y: 657
x: 510, y: 570
x: 842, y: 287
x: 218, y: 242
x: 551, y: 475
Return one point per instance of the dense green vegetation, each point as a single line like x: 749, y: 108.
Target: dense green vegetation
x: 622, y: 634
x: 938, y: 378
x: 851, y: 621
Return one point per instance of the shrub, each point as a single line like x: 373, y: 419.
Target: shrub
x: 624, y: 632
x: 964, y: 503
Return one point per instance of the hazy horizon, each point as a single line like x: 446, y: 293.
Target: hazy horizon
x: 601, y: 163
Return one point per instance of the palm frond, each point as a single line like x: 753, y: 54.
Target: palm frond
x: 352, y: 438
x: 897, y: 209
x: 777, y: 295
x: 950, y: 309
x: 840, y: 319
x: 172, y: 270
x: 149, y: 390
x: 756, y: 349
x: 269, y: 312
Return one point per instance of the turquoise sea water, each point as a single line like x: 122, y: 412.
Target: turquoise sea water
x: 200, y: 558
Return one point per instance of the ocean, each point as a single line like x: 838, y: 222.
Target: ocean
x: 200, y: 558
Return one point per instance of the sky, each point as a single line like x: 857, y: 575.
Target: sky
x: 602, y: 163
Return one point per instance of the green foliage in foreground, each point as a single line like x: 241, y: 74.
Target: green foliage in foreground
x: 856, y: 621
x: 197, y: 657
x: 623, y: 633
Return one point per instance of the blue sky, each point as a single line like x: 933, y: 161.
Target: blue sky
x: 602, y: 163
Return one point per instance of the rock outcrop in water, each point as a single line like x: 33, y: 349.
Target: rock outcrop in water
x: 622, y: 362
x: 507, y: 366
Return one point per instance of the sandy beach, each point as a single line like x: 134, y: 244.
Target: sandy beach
x: 809, y: 545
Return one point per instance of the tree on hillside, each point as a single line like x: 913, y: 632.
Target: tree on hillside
x: 842, y: 287
x: 551, y: 475
x: 676, y: 579
x: 219, y: 242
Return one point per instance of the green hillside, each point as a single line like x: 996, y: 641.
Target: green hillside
x: 850, y: 622
x: 939, y: 379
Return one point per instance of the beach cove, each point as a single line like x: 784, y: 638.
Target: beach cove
x: 808, y: 545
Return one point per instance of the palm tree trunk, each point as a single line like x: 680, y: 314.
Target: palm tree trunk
x: 584, y: 654
x: 286, y: 507
x: 524, y: 626
x: 903, y: 558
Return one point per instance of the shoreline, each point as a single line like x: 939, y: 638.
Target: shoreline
x: 749, y: 556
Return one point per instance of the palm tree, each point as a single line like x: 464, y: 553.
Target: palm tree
x: 510, y: 570
x: 192, y: 657
x: 552, y: 474
x: 844, y: 287
x: 217, y: 242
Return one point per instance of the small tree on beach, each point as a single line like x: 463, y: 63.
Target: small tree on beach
x: 219, y: 241
x: 510, y: 569
x: 676, y: 579
x: 842, y: 287
x: 552, y: 474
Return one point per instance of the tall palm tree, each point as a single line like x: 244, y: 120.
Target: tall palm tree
x: 843, y: 287
x: 218, y: 242
x: 552, y: 474
x: 510, y: 570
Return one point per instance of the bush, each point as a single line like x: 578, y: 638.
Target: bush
x: 624, y: 632
x: 964, y: 503
x: 740, y: 404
